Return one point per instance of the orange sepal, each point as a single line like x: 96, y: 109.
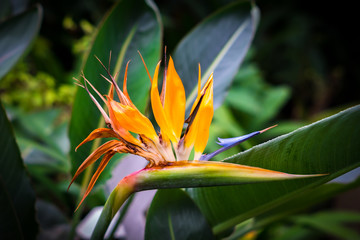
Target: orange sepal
x: 95, y: 156
x: 158, y: 110
x: 198, y: 129
x: 98, y: 133
x: 96, y: 175
x: 175, y: 99
x: 130, y: 119
x: 118, y: 126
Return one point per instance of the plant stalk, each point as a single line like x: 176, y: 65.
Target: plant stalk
x: 183, y: 174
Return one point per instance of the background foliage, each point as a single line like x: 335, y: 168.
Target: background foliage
x: 301, y: 67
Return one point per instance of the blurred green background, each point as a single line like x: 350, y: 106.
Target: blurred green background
x: 301, y: 67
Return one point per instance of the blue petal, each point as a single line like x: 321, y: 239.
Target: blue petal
x: 235, y: 140
x: 227, y: 143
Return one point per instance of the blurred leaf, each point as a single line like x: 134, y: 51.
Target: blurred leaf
x: 130, y: 26
x: 295, y: 232
x: 17, y: 199
x: 46, y: 127
x: 219, y: 44
x: 273, y: 100
x: 43, y: 156
x: 169, y: 220
x: 17, y: 34
x: 328, y: 146
x: 331, y: 223
x: 252, y: 96
x: 245, y: 100
x: 42, y: 139
x: 52, y: 220
x: 306, y: 200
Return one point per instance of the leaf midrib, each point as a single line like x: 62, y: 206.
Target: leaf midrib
x: 217, y: 59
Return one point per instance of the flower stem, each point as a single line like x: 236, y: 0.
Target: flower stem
x: 118, y: 196
x: 183, y: 174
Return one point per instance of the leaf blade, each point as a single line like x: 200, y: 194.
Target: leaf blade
x: 128, y: 27
x: 233, y: 28
x: 313, y: 148
x: 17, y: 34
x: 17, y: 198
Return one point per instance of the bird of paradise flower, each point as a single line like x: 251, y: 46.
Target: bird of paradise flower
x: 168, y: 151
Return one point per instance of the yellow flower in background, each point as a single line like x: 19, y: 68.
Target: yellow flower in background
x: 159, y: 148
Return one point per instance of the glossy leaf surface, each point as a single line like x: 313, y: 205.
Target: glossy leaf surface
x: 328, y: 146
x: 219, y: 44
x: 17, y: 34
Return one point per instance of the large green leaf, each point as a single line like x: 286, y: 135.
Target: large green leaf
x: 167, y: 219
x: 17, y: 198
x: 16, y: 35
x: 305, y: 201
x: 130, y: 26
x: 330, y: 146
x: 219, y: 44
x: 42, y: 139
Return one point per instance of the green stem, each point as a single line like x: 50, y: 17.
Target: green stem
x: 121, y: 217
x: 183, y: 174
x: 118, y: 196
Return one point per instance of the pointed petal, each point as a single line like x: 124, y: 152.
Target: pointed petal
x: 147, y: 70
x: 198, y: 130
x: 158, y: 110
x: 98, y: 133
x: 228, y: 143
x: 123, y: 133
x: 131, y: 119
x: 102, y: 111
x: 174, y: 99
x: 205, y: 117
x: 120, y: 94
x: 96, y: 175
x: 125, y: 81
x: 225, y: 142
x: 111, y: 92
x: 95, y: 156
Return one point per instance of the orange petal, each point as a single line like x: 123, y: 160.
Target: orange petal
x: 198, y: 130
x: 125, y: 81
x: 206, y: 113
x: 158, y: 109
x: 111, y: 92
x: 98, y: 133
x: 131, y: 119
x: 96, y: 175
x: 119, y: 129
x: 174, y: 100
x: 95, y: 156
